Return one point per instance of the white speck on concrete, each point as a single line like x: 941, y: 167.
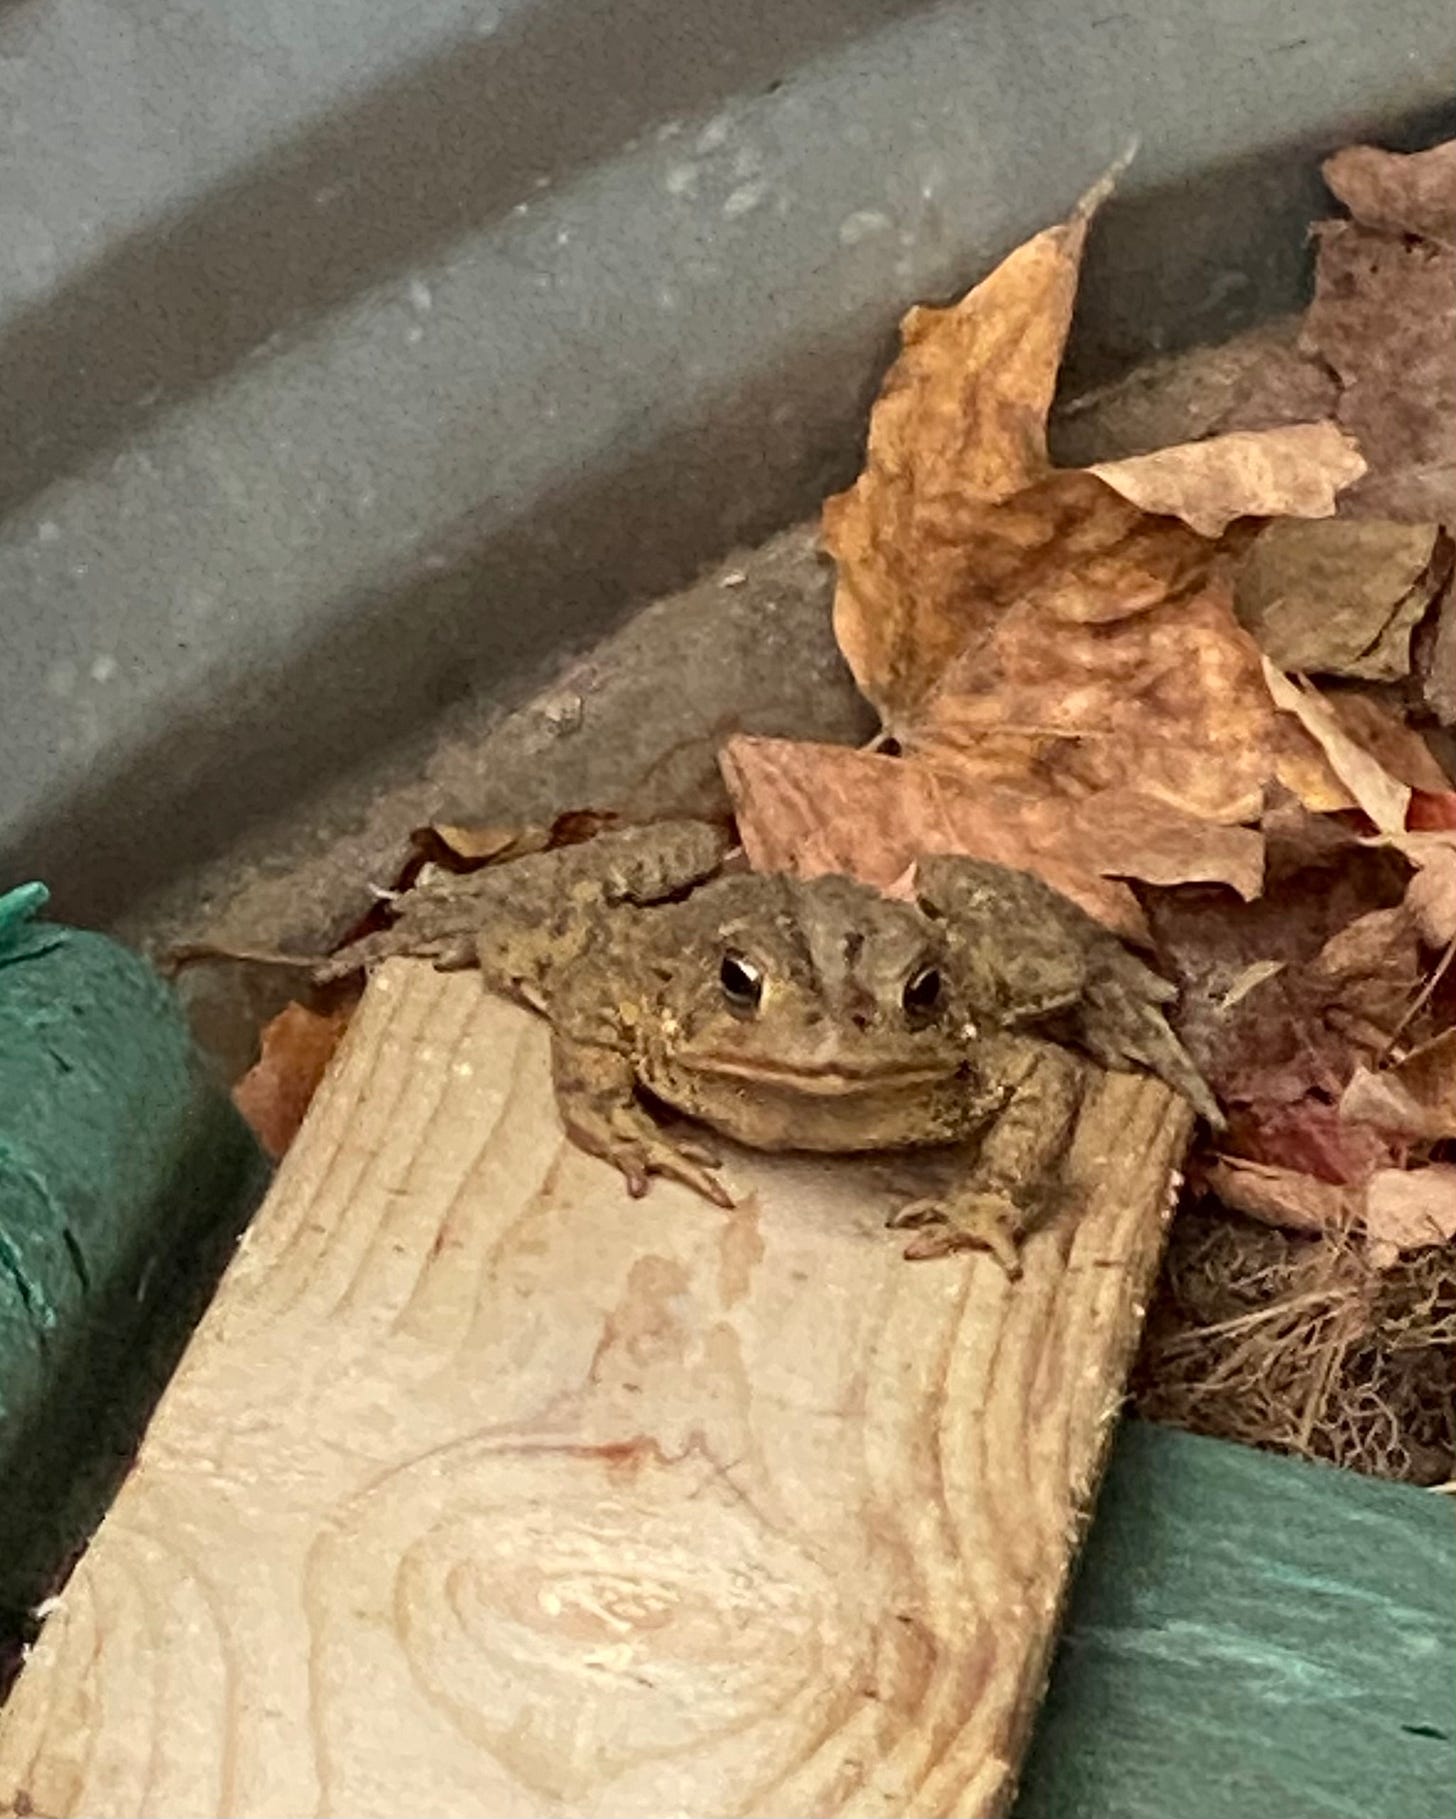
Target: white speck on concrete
x: 521, y: 209
x: 863, y: 224
x: 562, y: 712
x: 563, y: 237
x: 667, y: 299
x: 414, y: 334
x: 714, y: 135
x: 734, y: 578
x: 80, y: 570
x: 103, y: 669
x: 421, y: 297
x: 48, y: 531
x: 681, y: 180
x: 487, y: 22
x: 743, y: 199
x: 464, y: 1070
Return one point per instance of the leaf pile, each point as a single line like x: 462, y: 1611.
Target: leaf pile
x: 1087, y: 673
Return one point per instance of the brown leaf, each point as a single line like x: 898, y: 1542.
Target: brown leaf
x: 1436, y: 649
x: 1368, y: 968
x: 1281, y: 1196
x: 480, y: 842
x: 1402, y: 192
x: 1396, y: 747
x: 818, y: 808
x: 1309, y: 1136
x: 1431, y: 898
x: 1416, y: 1096
x: 960, y: 423
x: 958, y: 520
x: 274, y: 1095
x: 813, y: 809
x: 1281, y: 998
x: 1384, y: 317
x: 1409, y: 1210
x: 1338, y: 597
x: 1293, y: 472
x: 1380, y: 795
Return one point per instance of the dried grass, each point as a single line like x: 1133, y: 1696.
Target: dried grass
x: 1298, y: 1345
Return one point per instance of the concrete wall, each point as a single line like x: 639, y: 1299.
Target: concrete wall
x: 355, y: 357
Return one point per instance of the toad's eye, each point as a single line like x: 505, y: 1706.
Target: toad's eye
x: 742, y: 983
x: 922, y: 993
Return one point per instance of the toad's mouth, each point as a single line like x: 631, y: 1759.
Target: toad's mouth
x: 838, y: 1080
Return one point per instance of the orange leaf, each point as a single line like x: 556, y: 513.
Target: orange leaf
x: 1292, y: 472
x: 1169, y: 703
x: 274, y: 1095
x: 960, y: 424
x: 824, y: 808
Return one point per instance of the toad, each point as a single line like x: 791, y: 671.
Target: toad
x: 810, y: 1014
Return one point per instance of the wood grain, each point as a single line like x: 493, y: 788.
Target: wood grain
x: 484, y: 1489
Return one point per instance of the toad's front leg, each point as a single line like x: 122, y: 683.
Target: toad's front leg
x: 1014, y: 1181
x: 597, y: 1098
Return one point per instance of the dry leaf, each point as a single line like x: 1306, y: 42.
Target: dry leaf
x: 1402, y: 192
x: 1436, y: 649
x: 960, y: 422
x: 1169, y: 702
x: 273, y: 1096
x: 1384, y: 317
x: 1383, y: 799
x: 825, y: 808
x: 1409, y: 1210
x: 1334, y: 979
x: 487, y: 840
x: 1396, y: 747
x: 1415, y: 1096
x: 957, y: 519
x: 1309, y: 1137
x: 1281, y: 1197
x: 1431, y: 897
x: 1431, y: 810
x: 1338, y: 598
x: 1293, y: 472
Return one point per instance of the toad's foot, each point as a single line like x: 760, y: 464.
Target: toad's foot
x: 595, y: 1094
x: 975, y: 1219
x: 640, y: 1150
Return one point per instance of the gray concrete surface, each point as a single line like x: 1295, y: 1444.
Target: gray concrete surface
x: 359, y: 361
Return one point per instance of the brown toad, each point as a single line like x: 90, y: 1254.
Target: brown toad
x: 795, y: 1014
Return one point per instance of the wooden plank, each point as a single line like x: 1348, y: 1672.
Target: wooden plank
x: 1252, y: 1637
x: 484, y: 1489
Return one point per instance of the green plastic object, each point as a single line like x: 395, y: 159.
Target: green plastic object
x: 1252, y: 1637
x: 125, y: 1176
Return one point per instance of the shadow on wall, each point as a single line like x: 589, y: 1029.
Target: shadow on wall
x: 415, y: 163
x: 381, y: 668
